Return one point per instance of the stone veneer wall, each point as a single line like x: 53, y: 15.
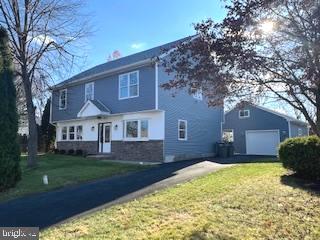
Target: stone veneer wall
x: 146, y: 151
x: 90, y: 147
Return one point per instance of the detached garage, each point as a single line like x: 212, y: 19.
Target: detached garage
x: 256, y: 130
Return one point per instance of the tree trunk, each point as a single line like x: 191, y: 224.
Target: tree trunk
x: 32, y: 125
x: 317, y: 125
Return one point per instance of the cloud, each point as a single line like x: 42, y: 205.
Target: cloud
x: 42, y: 39
x: 137, y: 45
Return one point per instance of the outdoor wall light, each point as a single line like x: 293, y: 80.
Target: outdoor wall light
x: 92, y: 128
x: 116, y: 127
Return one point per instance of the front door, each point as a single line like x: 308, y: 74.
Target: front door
x: 105, y: 138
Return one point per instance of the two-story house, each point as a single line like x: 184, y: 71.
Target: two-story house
x: 119, y: 108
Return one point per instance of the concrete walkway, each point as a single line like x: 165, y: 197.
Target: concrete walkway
x: 46, y: 209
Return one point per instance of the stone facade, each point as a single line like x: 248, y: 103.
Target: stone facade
x: 90, y: 147
x: 146, y: 151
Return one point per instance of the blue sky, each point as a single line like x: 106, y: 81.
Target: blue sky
x: 133, y: 26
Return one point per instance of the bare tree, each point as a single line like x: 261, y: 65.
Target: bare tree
x: 45, y: 36
x: 262, y: 49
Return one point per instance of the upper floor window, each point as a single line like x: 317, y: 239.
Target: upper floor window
x: 89, y: 91
x: 182, y: 130
x: 244, y: 113
x: 63, y: 99
x: 136, y: 129
x: 129, y: 85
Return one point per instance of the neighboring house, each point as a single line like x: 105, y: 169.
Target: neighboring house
x: 119, y: 108
x: 257, y: 130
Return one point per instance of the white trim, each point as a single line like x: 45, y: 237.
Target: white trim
x: 106, y: 116
x: 103, y: 74
x: 156, y: 85
x: 244, y: 110
x: 128, y: 85
x: 99, y: 112
x: 66, y: 98
x: 51, y: 99
x: 186, y: 130
x: 138, y: 138
x: 269, y: 130
x: 85, y: 91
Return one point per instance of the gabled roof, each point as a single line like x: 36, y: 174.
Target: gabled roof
x: 287, y: 117
x: 93, y: 108
x: 122, y: 62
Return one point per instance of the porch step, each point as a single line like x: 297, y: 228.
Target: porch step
x: 107, y: 156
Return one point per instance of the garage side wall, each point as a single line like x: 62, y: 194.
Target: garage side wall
x: 298, y: 130
x: 258, y: 120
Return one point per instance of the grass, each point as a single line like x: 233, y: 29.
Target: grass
x: 63, y: 170
x: 250, y: 201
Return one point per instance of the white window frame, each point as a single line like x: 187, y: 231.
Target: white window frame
x: 85, y: 91
x: 300, y: 132
x: 128, y: 85
x: 186, y: 130
x: 76, y: 130
x: 66, y: 133
x: 66, y: 98
x: 138, y: 138
x: 244, y: 110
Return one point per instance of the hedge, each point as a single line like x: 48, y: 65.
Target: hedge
x: 302, y: 155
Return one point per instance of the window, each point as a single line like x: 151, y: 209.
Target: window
x: 182, y: 129
x: 228, y: 135
x: 129, y: 85
x: 64, y: 133
x: 89, y: 91
x: 244, y: 113
x: 144, y: 128
x: 79, y: 133
x: 63, y: 99
x: 136, y: 129
x: 299, y: 132
x: 71, y: 133
x: 198, y: 95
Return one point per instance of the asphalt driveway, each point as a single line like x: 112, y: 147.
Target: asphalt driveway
x: 46, y: 209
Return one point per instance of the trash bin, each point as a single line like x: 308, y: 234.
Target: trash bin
x: 230, y: 149
x: 222, y: 150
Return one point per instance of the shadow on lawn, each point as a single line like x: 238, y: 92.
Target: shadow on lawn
x: 237, y: 159
x: 296, y: 182
x: 203, y: 235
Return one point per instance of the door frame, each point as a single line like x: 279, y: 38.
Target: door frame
x: 101, y: 127
x: 262, y: 130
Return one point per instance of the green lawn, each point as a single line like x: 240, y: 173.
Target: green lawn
x: 250, y: 201
x: 63, y: 170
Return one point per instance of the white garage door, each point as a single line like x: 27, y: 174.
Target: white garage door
x: 262, y: 142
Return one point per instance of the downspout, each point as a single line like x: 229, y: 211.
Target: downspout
x: 289, y: 128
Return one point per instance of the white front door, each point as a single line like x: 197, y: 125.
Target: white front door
x: 105, y: 138
x: 262, y: 142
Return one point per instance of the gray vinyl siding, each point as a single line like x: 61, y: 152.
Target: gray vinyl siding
x: 106, y: 90
x: 258, y: 120
x: 294, y: 129
x: 203, y: 123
